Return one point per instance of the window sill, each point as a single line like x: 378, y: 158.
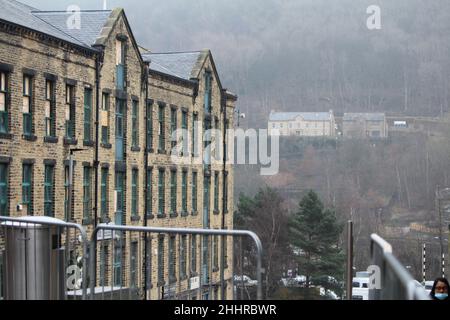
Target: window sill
x: 29, y: 137
x: 184, y: 277
x: 51, y: 139
x: 161, y: 216
x: 162, y: 152
x: 215, y: 269
x: 216, y: 212
x: 174, y: 215
x: 184, y: 214
x: 106, y: 145
x: 194, y: 213
x: 193, y: 274
x: 150, y: 150
x: 172, y: 280
x: 135, y: 149
x: 226, y: 211
x: 88, y: 143
x: 105, y: 220
x: 150, y: 216
x: 8, y: 136
x: 161, y: 283
x: 70, y: 141
x: 135, y: 218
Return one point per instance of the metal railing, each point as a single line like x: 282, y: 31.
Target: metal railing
x: 395, y: 282
x: 40, y: 258
x: 131, y: 281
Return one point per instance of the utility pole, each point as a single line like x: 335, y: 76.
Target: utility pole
x: 441, y: 244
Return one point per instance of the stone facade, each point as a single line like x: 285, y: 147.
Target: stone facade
x: 364, y: 125
x: 303, y: 124
x: 28, y: 53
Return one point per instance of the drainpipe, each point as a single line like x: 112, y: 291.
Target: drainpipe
x: 224, y: 205
x: 147, y: 77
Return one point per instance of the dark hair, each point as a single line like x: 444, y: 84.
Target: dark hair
x: 443, y: 280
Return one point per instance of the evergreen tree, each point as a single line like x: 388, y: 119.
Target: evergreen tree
x: 315, y: 232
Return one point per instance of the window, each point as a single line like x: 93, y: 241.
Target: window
x: 120, y: 129
x: 184, y: 126
x: 172, y: 258
x: 133, y: 264
x: 27, y: 105
x: 161, y: 133
x: 216, y: 192
x: 173, y: 128
x: 225, y: 193
x: 193, y: 254
x: 208, y: 91
x: 149, y: 126
x: 161, y: 192
x: 49, y: 191
x: 194, y: 192
x: 194, y: 135
x: 117, y: 267
x: 149, y: 193
x: 216, y: 252
x: 183, y: 253
x: 104, y: 194
x: 105, y: 118
x: 134, y: 193
x: 184, y: 191
x: 225, y: 251
x: 207, y: 143
x: 87, y: 193
x: 120, y: 198
x: 50, y: 112
x: 173, y: 192
x: 161, y: 260
x: 135, y: 124
x: 4, y: 204
x: 70, y: 111
x: 27, y: 189
x: 66, y: 193
x: 120, y: 64
x: 4, y: 103
x: 103, y: 265
x: 87, y: 114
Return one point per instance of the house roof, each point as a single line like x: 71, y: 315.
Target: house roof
x: 178, y: 64
x: 54, y: 23
x: 309, y: 116
x: 364, y: 116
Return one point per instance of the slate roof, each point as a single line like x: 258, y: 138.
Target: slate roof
x: 364, y: 116
x: 177, y: 64
x: 53, y: 23
x: 308, y: 116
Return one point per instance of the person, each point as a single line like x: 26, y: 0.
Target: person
x: 440, y: 289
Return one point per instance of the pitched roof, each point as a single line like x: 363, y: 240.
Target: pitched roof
x: 364, y: 116
x: 54, y: 23
x: 178, y: 64
x: 308, y: 116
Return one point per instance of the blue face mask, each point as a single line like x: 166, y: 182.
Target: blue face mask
x: 441, y: 296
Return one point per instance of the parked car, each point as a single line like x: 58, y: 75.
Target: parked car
x: 360, y: 289
x: 246, y: 279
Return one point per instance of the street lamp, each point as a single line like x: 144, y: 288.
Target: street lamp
x: 70, y: 187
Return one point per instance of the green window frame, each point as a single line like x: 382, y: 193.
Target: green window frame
x: 194, y: 192
x: 208, y: 91
x: 4, y: 192
x: 193, y: 254
x: 173, y: 127
x: 27, y: 107
x: 4, y: 102
x: 184, y: 126
x: 87, y: 114
x: 149, y: 126
x: 27, y: 187
x: 104, y: 186
x: 216, y: 192
x: 183, y: 256
x: 87, y: 192
x: 149, y: 193
x: 133, y: 264
x: 161, y: 192
x: 225, y: 193
x: 134, y: 193
x: 50, y: 108
x: 172, y: 258
x: 216, y: 252
x: 66, y: 193
x: 49, y: 193
x: 184, y: 192
x: 173, y: 192
x: 135, y: 124
x: 161, y: 130
x: 70, y: 111
x: 105, y: 128
x: 194, y: 135
x: 117, y: 266
x: 161, y: 259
